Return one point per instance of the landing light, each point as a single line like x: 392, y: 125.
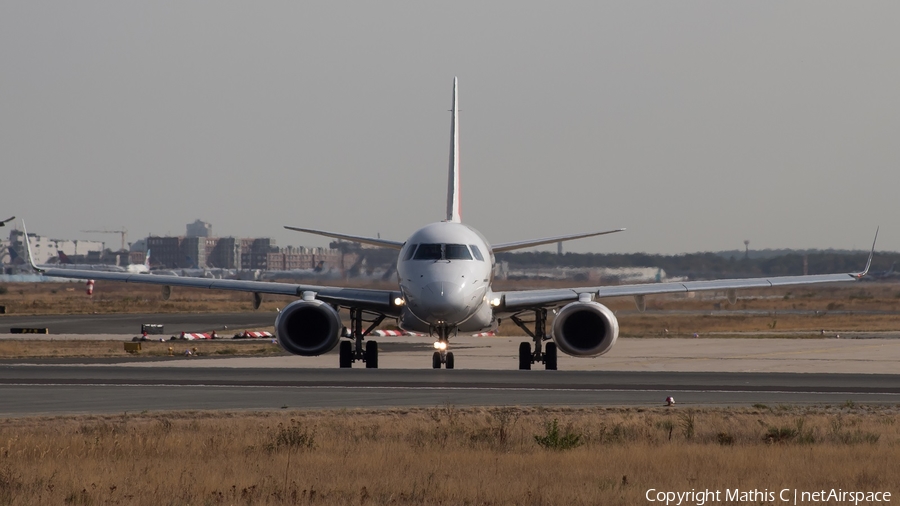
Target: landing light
x: 438, y: 345
x: 495, y: 301
x: 398, y: 301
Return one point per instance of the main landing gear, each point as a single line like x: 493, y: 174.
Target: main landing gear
x: 369, y: 355
x: 442, y: 356
x: 539, y: 335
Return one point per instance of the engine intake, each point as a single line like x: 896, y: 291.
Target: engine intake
x: 585, y: 329
x: 308, y: 328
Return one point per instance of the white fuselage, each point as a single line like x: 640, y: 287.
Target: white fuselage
x: 444, y: 271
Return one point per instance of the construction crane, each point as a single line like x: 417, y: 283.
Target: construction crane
x: 123, y: 231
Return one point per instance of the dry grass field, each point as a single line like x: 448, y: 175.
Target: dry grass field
x: 25, y: 348
x: 444, y: 455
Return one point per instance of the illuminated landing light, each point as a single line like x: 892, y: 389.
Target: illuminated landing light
x: 439, y: 345
x: 398, y: 301
x: 495, y: 301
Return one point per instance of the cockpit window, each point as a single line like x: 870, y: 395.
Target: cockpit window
x: 456, y: 252
x: 428, y: 252
x: 410, y: 251
x: 441, y: 252
x: 477, y: 253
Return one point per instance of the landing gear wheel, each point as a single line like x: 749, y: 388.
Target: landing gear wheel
x: 449, y: 364
x: 371, y: 355
x: 346, y: 350
x: 525, y: 356
x: 550, y: 357
x: 436, y: 360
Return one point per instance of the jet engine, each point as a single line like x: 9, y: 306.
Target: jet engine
x: 585, y: 329
x: 308, y: 328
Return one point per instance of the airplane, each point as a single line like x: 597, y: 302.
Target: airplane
x: 203, y: 272
x: 64, y: 263
x: 143, y: 268
x: 4, y: 222
x: 444, y: 273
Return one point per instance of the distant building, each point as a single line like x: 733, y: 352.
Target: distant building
x: 199, y: 229
x: 255, y: 253
x: 165, y: 251
x: 46, y: 250
x: 193, y: 249
x: 223, y: 253
x: 233, y: 253
x: 139, y: 245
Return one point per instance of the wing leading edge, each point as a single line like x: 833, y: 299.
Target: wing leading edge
x: 509, y: 246
x: 384, y: 243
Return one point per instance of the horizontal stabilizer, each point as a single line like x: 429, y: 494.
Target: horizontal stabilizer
x: 354, y: 238
x: 509, y: 246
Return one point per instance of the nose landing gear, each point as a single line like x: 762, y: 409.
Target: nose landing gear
x: 441, y: 356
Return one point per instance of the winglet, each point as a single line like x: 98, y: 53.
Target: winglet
x: 865, y: 271
x: 34, y: 267
x: 453, y: 207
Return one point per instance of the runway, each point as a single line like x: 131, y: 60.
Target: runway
x: 42, y: 390
x: 636, y: 372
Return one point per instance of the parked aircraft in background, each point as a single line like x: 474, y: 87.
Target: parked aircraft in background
x: 143, y: 268
x: 444, y: 273
x: 64, y: 263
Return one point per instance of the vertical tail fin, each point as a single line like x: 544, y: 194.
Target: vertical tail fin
x: 147, y: 259
x: 453, y: 208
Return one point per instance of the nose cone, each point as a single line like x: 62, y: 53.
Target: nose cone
x: 445, y: 301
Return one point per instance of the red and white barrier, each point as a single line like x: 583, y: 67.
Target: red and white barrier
x: 253, y: 335
x: 191, y: 336
x: 382, y: 333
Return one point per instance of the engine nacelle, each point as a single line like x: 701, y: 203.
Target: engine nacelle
x: 585, y: 329
x: 308, y: 328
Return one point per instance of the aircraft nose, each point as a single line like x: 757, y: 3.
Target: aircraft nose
x: 444, y: 300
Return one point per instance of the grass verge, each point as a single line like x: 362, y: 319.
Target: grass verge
x: 443, y: 455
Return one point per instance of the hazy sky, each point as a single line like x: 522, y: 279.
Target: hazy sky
x: 694, y: 124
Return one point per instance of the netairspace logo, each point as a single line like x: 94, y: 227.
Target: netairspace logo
x: 755, y: 496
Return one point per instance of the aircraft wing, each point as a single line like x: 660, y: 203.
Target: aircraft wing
x: 4, y: 222
x: 509, y: 246
x: 375, y: 300
x: 524, y: 299
x: 384, y: 243
x: 517, y: 300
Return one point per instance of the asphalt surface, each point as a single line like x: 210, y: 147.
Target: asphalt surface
x: 33, y: 390
x: 636, y: 372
